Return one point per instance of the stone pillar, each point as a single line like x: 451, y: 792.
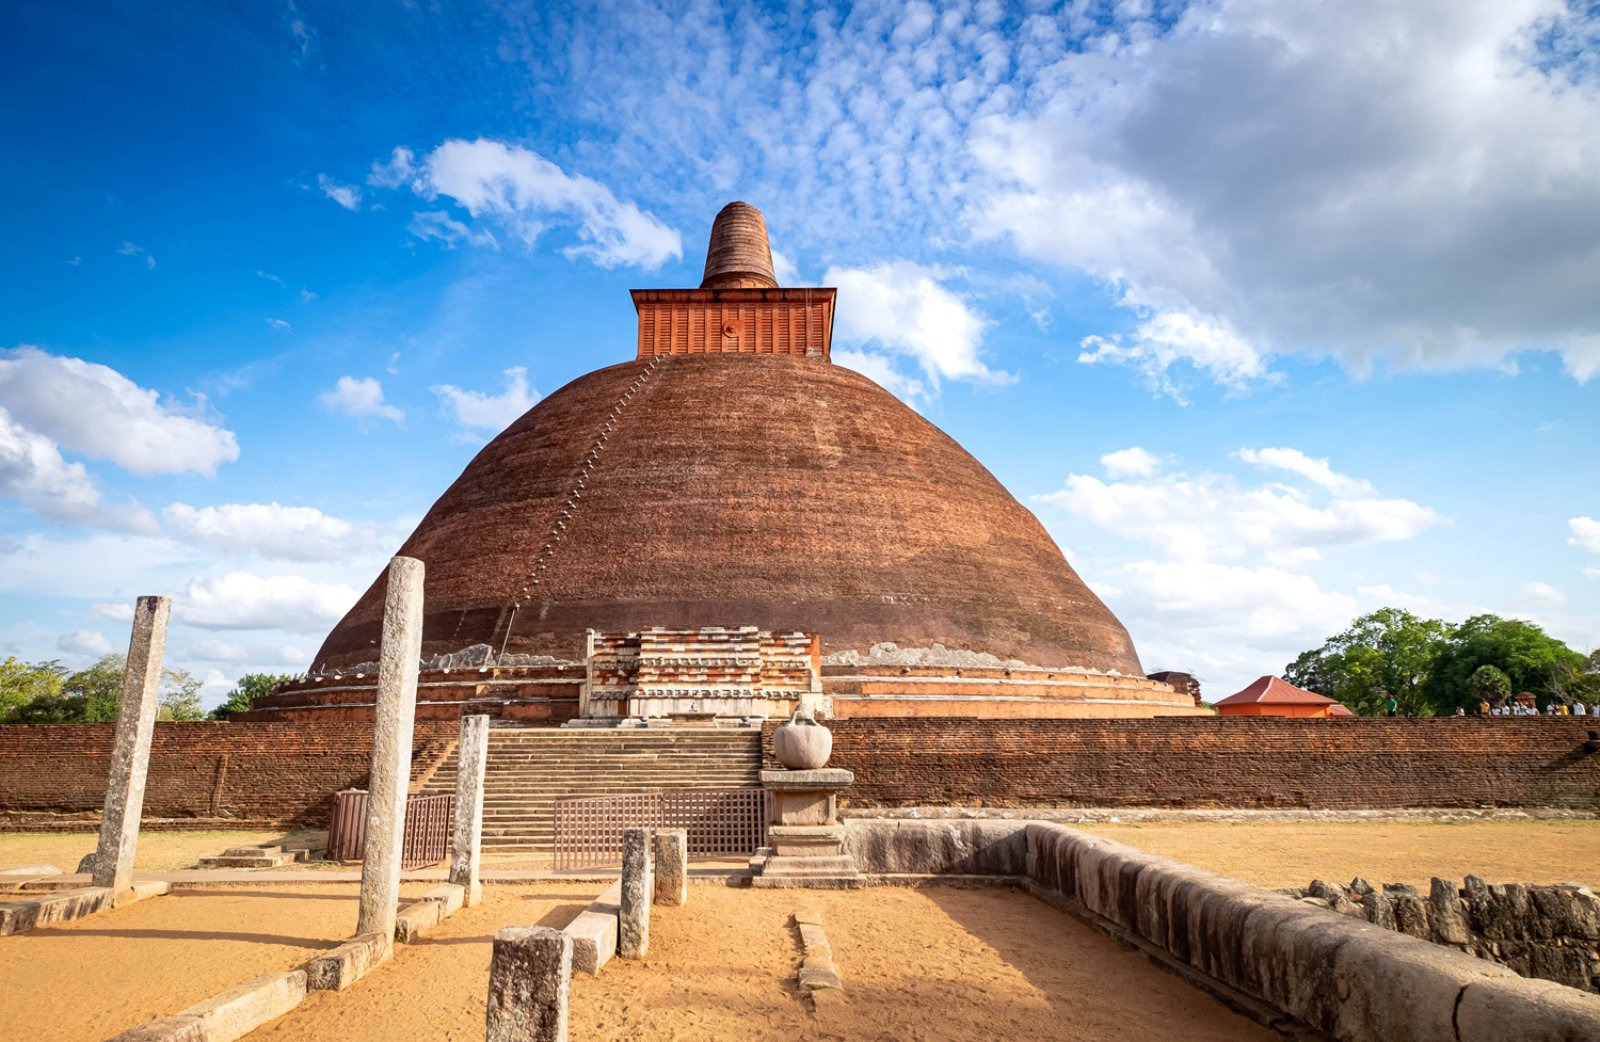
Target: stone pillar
x: 130, y: 755
x: 466, y: 839
x: 530, y: 985
x: 672, y: 866
x: 633, y: 921
x: 398, y: 658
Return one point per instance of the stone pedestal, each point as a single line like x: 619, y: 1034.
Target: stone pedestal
x: 807, y: 840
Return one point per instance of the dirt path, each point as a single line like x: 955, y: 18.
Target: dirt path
x: 1281, y: 853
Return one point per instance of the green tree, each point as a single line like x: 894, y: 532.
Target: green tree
x: 246, y: 689
x: 1490, y: 684
x: 1389, y: 652
x: 22, y: 683
x: 1531, y: 659
x: 180, y: 696
x: 93, y: 695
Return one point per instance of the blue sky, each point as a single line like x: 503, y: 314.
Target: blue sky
x: 1274, y: 313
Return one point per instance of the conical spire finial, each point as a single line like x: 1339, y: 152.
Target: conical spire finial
x: 739, y: 256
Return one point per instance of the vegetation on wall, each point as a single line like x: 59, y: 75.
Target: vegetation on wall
x: 47, y: 693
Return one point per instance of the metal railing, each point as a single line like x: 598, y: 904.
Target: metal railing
x: 720, y: 823
x: 427, y: 835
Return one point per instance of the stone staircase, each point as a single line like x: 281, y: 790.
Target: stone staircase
x: 530, y: 768
x: 266, y: 856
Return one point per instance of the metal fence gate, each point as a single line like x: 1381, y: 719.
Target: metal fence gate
x: 427, y: 837
x: 720, y: 822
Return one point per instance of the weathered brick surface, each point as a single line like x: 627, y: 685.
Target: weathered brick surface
x: 267, y: 771
x: 1217, y: 762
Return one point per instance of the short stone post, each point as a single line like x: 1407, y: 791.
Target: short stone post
x: 530, y: 985
x: 466, y: 838
x: 672, y: 866
x: 633, y: 921
x: 398, y: 658
x: 130, y: 755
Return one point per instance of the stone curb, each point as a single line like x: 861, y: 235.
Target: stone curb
x: 817, y: 971
x: 431, y: 908
x: 63, y: 905
x: 348, y: 963
x: 594, y: 931
x: 1343, y: 976
x: 228, y: 1016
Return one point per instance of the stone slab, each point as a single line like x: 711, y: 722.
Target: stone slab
x: 428, y: 910
x: 32, y: 870
x: 830, y: 778
x: 940, y: 847
x: 594, y: 931
x: 230, y: 1015
x: 61, y: 906
x: 1526, y: 1010
x: 633, y: 914
x: 348, y: 963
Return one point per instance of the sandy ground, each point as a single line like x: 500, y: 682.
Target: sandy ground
x: 90, y: 979
x: 436, y: 989
x: 1283, y: 853
x: 945, y: 964
x: 156, y: 852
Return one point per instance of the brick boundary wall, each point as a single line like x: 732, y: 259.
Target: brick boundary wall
x: 279, y: 772
x: 1219, y: 762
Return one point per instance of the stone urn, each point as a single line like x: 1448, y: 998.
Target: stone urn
x: 802, y: 744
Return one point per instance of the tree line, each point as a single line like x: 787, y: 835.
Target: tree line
x: 49, y: 693
x: 1431, y: 667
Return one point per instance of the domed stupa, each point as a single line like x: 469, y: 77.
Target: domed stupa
x: 731, y: 486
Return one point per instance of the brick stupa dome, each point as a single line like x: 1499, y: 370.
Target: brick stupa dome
x: 782, y: 492
x: 732, y: 475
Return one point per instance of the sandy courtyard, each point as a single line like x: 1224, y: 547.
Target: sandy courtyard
x: 936, y: 964
x: 90, y: 979
x: 1292, y: 853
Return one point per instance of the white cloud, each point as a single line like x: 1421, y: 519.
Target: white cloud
x: 902, y: 308
x: 278, y: 323
x: 276, y: 531
x: 1206, y: 516
x: 96, y: 411
x: 1227, y: 623
x: 1591, y: 573
x: 784, y: 269
x: 85, y: 642
x: 33, y: 471
x: 241, y: 600
x: 1131, y: 462
x: 116, y: 611
x: 1585, y: 533
x: 400, y: 169
x: 270, y: 278
x: 1543, y: 595
x: 525, y: 193
x: 1315, y: 470
x: 442, y: 228
x: 128, y: 249
x: 1413, y: 184
x: 490, y: 412
x: 212, y: 650
x: 361, y: 398
x: 347, y: 196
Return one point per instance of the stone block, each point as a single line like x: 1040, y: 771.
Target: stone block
x: 965, y: 847
x: 1393, y: 987
x: 412, y: 921
x: 348, y: 963
x: 530, y: 985
x: 672, y: 867
x: 633, y: 914
x: 1526, y: 1010
x: 32, y: 870
x: 594, y: 931
x: 1449, y: 916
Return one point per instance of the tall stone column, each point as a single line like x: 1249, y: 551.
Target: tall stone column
x: 391, y: 749
x: 130, y: 755
x: 466, y: 838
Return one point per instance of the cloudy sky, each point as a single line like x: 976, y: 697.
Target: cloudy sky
x: 1273, y: 312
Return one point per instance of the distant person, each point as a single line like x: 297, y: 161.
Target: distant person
x: 1483, y: 708
x: 1460, y: 711
x: 1391, y: 707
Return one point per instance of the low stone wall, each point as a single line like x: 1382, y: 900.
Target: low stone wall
x: 1220, y: 762
x: 1350, y: 979
x: 945, y: 847
x: 285, y: 773
x: 1550, y: 932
